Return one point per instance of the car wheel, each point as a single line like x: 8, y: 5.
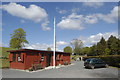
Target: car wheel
x: 106, y: 66
x: 85, y: 67
x: 92, y: 67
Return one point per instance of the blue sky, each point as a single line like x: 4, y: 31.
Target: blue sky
x: 85, y: 21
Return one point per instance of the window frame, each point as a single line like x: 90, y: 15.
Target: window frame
x: 19, y: 57
x: 42, y: 57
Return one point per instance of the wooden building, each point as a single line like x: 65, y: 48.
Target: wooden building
x: 25, y: 58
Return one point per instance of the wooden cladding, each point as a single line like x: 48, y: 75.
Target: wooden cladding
x: 10, y: 57
x: 22, y: 57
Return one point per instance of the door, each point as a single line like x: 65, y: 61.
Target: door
x: 48, y: 59
x: 96, y: 63
x: 99, y: 63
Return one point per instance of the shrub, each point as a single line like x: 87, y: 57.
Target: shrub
x: 3, y: 58
x: 30, y: 69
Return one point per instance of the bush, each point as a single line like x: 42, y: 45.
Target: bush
x: 3, y: 58
x: 30, y: 69
x: 74, y: 57
x: 112, y: 60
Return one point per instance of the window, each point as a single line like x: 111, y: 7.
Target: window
x: 88, y: 60
x: 42, y: 57
x: 100, y: 61
x: 94, y: 61
x: 19, y: 57
x: 14, y: 57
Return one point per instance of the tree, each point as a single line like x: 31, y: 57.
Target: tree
x: 113, y: 44
x: 18, y: 39
x: 48, y: 49
x: 118, y: 52
x: 107, y: 51
x: 101, y: 46
x: 68, y: 49
x: 85, y: 50
x: 93, y: 50
x: 77, y: 45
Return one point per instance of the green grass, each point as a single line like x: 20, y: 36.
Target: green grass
x: 4, y: 52
x: 4, y: 63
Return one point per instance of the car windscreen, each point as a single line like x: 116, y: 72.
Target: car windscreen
x: 88, y: 60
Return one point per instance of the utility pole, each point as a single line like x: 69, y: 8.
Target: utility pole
x: 54, y: 44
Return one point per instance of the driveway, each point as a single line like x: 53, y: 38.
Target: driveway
x: 76, y: 70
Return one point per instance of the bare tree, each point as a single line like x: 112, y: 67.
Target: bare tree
x: 76, y: 45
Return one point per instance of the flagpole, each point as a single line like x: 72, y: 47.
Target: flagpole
x: 54, y: 44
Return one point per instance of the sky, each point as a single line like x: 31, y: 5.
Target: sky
x: 87, y: 21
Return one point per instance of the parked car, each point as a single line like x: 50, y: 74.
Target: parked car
x: 94, y: 62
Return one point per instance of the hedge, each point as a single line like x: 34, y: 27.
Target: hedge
x: 111, y: 60
x: 3, y: 58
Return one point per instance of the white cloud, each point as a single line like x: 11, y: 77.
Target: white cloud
x: 74, y: 10
x: 33, y: 12
x: 93, y: 4
x: 44, y: 26
x: 62, y: 11
x: 110, y: 17
x: 39, y: 46
x: 93, y: 39
x: 22, y: 21
x: 73, y: 21
x: 3, y: 45
x: 91, y: 19
x: 44, y: 46
x: 60, y: 43
x: 78, y: 22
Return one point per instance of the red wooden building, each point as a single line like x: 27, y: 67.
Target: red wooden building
x: 25, y: 58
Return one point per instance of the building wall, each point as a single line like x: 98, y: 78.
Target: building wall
x: 61, y: 59
x: 34, y: 58
x: 17, y: 64
x: 30, y: 58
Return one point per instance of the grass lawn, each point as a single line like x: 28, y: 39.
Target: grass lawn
x: 4, y: 52
x: 4, y: 63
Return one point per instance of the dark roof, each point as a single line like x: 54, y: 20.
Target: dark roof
x: 33, y: 50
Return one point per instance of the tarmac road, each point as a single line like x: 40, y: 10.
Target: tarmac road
x: 76, y: 70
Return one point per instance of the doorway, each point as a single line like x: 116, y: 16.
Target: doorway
x: 48, y: 59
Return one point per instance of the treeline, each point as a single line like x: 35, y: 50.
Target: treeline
x: 109, y: 47
x: 103, y: 47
